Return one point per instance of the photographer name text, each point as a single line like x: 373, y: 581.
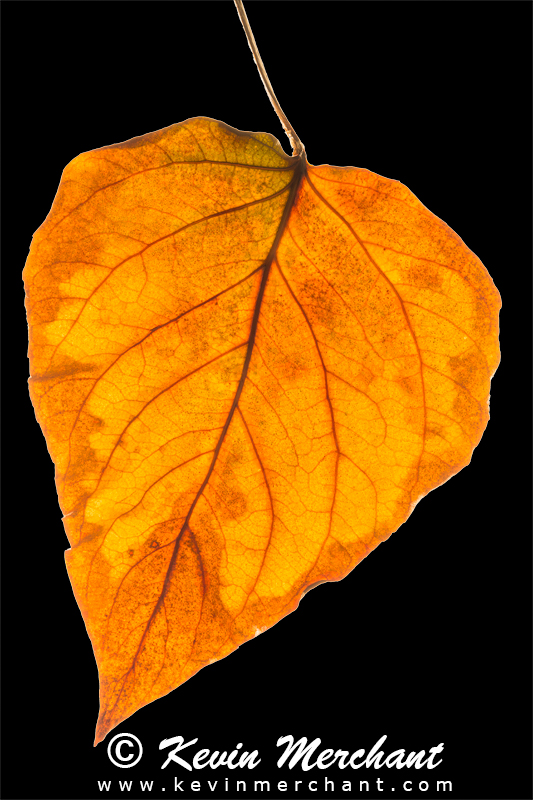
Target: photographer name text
x: 300, y: 753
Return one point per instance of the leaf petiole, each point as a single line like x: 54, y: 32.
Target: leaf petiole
x: 298, y: 148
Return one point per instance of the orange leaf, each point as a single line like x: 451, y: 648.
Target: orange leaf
x: 248, y: 371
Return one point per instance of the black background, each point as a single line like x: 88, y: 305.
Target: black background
x: 429, y: 639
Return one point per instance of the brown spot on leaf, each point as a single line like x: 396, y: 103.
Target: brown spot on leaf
x: 467, y: 369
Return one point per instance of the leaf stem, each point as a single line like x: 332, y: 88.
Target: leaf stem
x: 297, y: 147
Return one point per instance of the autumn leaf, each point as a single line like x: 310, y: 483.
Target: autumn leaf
x: 248, y: 371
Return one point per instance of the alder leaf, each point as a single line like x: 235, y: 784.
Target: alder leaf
x: 248, y: 370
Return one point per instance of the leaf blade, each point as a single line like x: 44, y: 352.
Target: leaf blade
x: 248, y: 370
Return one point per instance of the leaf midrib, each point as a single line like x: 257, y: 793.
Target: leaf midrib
x: 294, y: 185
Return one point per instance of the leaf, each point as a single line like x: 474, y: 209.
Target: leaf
x: 248, y: 371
